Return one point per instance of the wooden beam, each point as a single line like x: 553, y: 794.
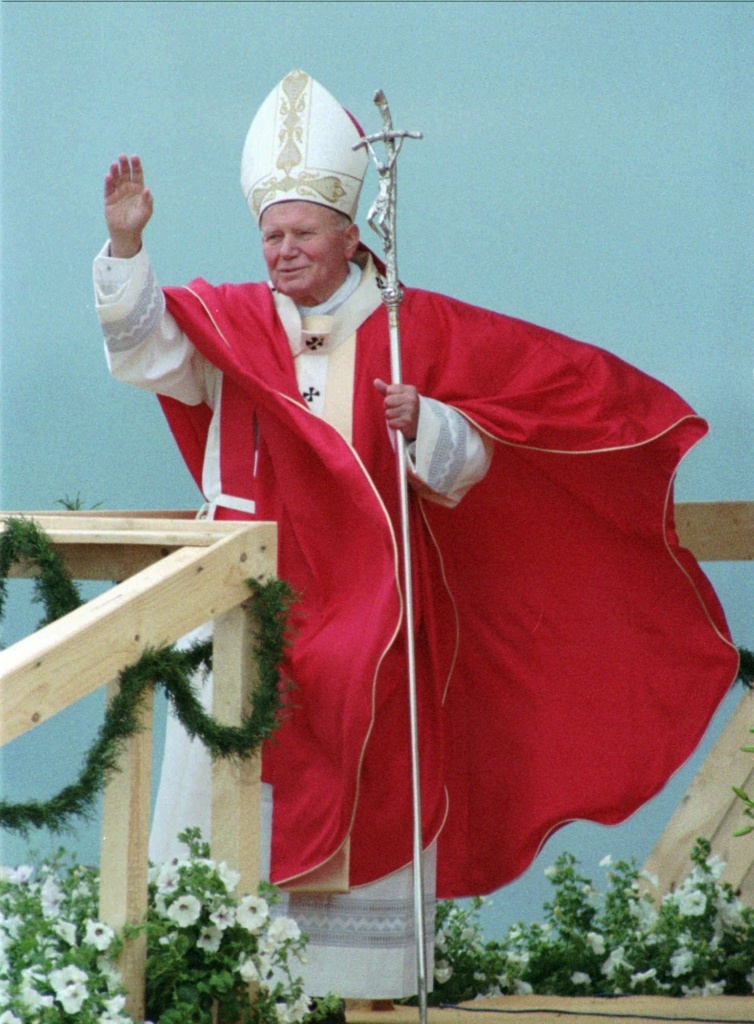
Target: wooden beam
x: 124, y: 861
x: 236, y: 785
x: 717, y: 531
x: 114, y: 546
x: 710, y: 809
x: 70, y: 658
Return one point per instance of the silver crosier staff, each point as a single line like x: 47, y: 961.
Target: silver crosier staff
x: 381, y: 218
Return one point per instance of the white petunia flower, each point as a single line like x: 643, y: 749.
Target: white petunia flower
x: 32, y: 999
x: 522, y: 988
x: 8, y: 1017
x: 248, y: 970
x: 70, y: 987
x: 294, y: 1012
x: 644, y: 912
x: 110, y: 973
x: 66, y: 930
x: 580, y: 978
x: 185, y: 910
x: 98, y: 935
x: 519, y: 958
x: 66, y: 976
x: 168, y: 879
x: 729, y: 912
x: 228, y: 877
x: 209, y: 939
x: 606, y: 862
x: 597, y: 942
x: 73, y: 996
x: 714, y: 988
x: 642, y: 976
x: 653, y: 880
x: 716, y: 866
x: 551, y: 872
x: 115, y: 1004
x: 52, y: 897
x: 681, y: 962
x: 264, y: 962
x: 224, y: 917
x: 616, y: 959
x: 691, y: 903
x: 282, y: 929
x: 252, y: 912
x: 18, y: 876
x: 11, y: 925
x: 443, y: 972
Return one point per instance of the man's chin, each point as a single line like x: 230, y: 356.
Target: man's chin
x: 291, y: 285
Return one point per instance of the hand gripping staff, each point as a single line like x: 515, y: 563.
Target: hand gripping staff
x: 381, y: 218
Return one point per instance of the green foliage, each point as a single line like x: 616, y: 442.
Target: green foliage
x: 75, y: 504
x: 699, y: 940
x: 166, y: 667
x: 745, y: 667
x: 23, y: 540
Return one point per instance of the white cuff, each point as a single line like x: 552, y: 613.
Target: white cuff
x: 449, y: 456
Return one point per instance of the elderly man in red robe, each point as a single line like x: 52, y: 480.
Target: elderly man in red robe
x: 569, y: 653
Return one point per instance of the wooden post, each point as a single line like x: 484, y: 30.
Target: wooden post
x: 710, y: 809
x: 125, y: 853
x: 236, y: 785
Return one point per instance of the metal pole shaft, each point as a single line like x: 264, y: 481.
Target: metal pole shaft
x: 418, y: 863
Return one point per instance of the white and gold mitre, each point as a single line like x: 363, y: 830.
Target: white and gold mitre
x: 299, y: 146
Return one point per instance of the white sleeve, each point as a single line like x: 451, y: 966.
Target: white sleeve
x: 143, y: 344
x: 448, y: 456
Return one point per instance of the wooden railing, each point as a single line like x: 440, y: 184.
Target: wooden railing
x: 176, y: 573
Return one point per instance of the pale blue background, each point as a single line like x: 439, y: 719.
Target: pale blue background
x: 586, y: 166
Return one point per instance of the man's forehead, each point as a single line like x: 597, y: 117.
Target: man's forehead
x: 294, y: 212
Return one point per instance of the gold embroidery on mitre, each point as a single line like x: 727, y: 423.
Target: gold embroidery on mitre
x: 327, y: 187
x: 292, y: 108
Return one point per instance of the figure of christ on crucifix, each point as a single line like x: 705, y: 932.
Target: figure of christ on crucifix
x: 569, y: 654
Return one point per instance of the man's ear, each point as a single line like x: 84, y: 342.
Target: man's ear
x: 351, y: 239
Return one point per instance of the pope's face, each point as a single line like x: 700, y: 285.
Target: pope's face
x: 307, y: 248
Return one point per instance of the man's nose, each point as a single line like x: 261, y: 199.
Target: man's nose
x: 289, y: 247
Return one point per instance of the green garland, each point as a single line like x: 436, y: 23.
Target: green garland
x: 165, y: 666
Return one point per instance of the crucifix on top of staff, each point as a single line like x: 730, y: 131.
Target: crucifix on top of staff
x: 381, y: 218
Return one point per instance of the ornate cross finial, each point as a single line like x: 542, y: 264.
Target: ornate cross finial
x: 381, y: 216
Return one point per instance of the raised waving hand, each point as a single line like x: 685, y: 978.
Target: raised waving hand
x: 128, y: 205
